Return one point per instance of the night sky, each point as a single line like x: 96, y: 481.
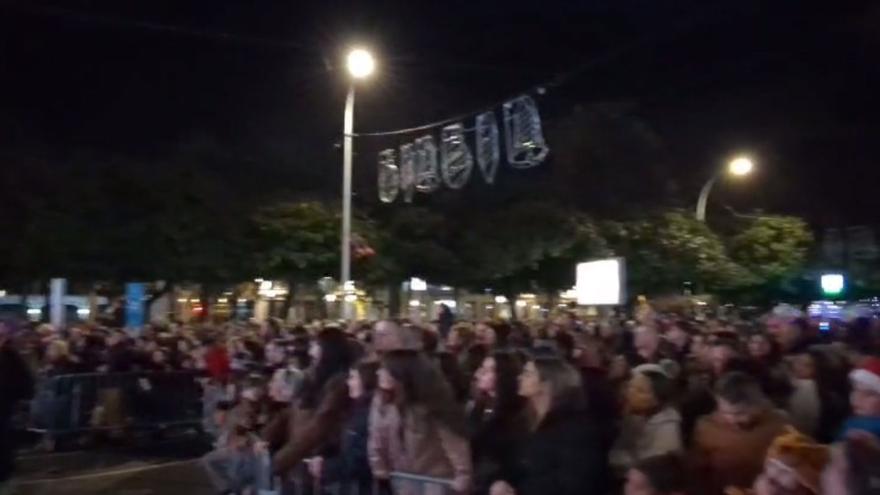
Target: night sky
x: 791, y: 83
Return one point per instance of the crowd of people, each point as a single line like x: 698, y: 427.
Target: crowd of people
x: 660, y: 405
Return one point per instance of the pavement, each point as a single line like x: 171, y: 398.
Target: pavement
x: 163, y: 467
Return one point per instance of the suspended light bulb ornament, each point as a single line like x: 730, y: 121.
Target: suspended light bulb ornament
x: 427, y: 176
x: 419, y: 168
x: 388, y: 177
x: 488, y: 150
x: 522, y: 130
x: 456, y: 161
x: 407, y: 172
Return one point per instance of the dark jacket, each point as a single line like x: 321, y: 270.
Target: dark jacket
x: 309, y: 430
x: 563, y: 456
x: 350, y: 464
x: 494, y: 439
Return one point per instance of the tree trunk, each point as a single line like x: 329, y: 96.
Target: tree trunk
x: 394, y: 299
x: 511, y: 300
x: 290, y: 300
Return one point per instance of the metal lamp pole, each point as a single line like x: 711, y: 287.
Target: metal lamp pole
x: 704, y: 197
x: 345, y: 271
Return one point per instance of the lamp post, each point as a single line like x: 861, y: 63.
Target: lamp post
x: 360, y: 64
x: 737, y: 167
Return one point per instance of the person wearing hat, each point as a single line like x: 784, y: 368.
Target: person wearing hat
x: 865, y: 398
x: 793, y: 466
x: 16, y: 384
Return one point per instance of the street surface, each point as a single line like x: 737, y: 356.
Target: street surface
x: 168, y: 468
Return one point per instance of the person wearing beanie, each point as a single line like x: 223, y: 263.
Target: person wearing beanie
x: 793, y: 466
x: 865, y: 398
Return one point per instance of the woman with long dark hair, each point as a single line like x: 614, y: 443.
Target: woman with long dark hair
x: 348, y: 465
x: 425, y: 431
x: 561, y: 453
x: 320, y: 410
x: 497, y: 418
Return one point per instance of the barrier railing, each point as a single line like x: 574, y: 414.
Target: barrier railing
x: 95, y: 401
x: 299, y: 483
x: 414, y: 484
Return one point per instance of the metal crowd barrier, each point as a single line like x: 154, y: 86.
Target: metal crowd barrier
x: 100, y: 401
x: 302, y: 484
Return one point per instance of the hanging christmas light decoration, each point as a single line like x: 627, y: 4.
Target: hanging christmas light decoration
x: 488, y: 153
x: 388, y: 177
x: 456, y: 161
x: 407, y: 171
x: 522, y: 130
x: 427, y: 176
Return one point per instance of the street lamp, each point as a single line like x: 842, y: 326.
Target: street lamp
x: 360, y: 65
x: 738, y: 167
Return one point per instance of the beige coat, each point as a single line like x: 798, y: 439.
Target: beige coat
x: 416, y: 444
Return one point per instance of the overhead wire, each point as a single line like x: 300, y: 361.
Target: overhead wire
x: 555, y: 82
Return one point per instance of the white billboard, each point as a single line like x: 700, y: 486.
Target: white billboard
x: 601, y: 282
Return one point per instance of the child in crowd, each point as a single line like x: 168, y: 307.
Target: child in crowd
x: 865, y: 398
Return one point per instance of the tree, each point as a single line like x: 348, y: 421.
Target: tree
x: 664, y: 251
x: 529, y: 246
x: 295, y: 241
x: 774, y: 249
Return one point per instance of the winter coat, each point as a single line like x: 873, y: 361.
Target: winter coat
x: 723, y: 455
x: 350, y: 465
x: 563, y: 456
x: 415, y: 443
x: 493, y: 442
x: 641, y: 438
x: 309, y: 430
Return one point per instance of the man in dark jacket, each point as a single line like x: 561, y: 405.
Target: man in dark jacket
x: 16, y: 384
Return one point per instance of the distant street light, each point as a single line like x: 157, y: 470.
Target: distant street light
x: 738, y: 167
x: 360, y: 65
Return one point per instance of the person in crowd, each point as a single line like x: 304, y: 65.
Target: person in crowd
x: 793, y: 466
x: 445, y: 320
x: 651, y: 425
x: 16, y: 384
x: 497, y: 419
x: 460, y: 338
x: 646, y: 347
x: 658, y: 475
x: 455, y: 376
x: 425, y: 432
x: 865, y: 398
x: 603, y: 407
x: 854, y: 466
x: 485, y: 335
x: 217, y: 362
x: 678, y: 334
x: 729, y: 445
x: 57, y: 360
x: 762, y: 349
x: 233, y: 467
x: 561, y: 453
x: 349, y: 466
x: 320, y: 410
